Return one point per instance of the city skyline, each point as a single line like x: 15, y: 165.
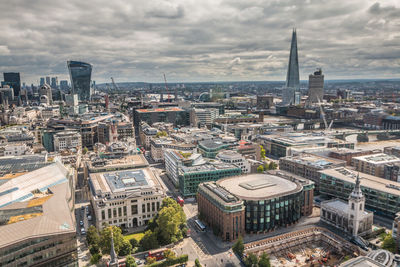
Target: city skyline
x: 199, y: 42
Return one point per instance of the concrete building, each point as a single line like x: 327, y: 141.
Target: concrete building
x: 374, y: 258
x: 17, y: 149
x: 146, y: 133
x: 350, y: 217
x: 159, y: 145
x: 347, y: 154
x: 270, y: 201
x: 221, y: 210
x: 316, y: 87
x: 381, y: 196
x: 392, y: 172
x: 374, y: 164
x: 396, y: 231
x: 174, y: 159
x: 191, y: 177
x: 71, y: 100
x: 127, y: 199
x: 264, y: 102
x: 125, y: 130
x: 232, y: 157
x: 45, y: 90
x: 203, y: 117
x: 174, y: 115
x: 37, y: 222
x: 67, y: 140
x: 308, y: 166
x: 210, y: 148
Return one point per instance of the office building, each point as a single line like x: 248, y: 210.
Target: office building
x: 191, y: 177
x: 396, y: 231
x: 374, y: 164
x: 37, y: 222
x: 308, y: 166
x: 292, y: 77
x: 207, y: 105
x: 264, y: 102
x: 13, y: 80
x: 45, y: 90
x: 146, y: 133
x: 67, y: 140
x: 48, y: 80
x: 391, y: 171
x: 221, y: 210
x: 270, y: 201
x: 64, y: 85
x: 80, y: 75
x: 316, y: 87
x: 350, y: 217
x: 42, y: 81
x: 203, y: 117
x: 210, y: 148
x: 158, y: 146
x: 71, y: 100
x: 7, y: 94
x: 232, y: 157
x: 54, y: 82
x: 174, y: 115
x: 126, y: 199
x: 125, y: 131
x: 381, y: 196
x: 347, y: 154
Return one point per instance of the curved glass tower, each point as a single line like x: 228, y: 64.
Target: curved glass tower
x: 80, y: 74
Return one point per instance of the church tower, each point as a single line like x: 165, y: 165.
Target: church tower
x: 356, y: 207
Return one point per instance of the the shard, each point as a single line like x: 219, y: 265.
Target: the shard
x: 292, y: 77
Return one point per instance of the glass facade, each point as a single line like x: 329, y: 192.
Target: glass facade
x: 80, y: 74
x: 13, y: 80
x: 265, y: 215
x: 379, y: 202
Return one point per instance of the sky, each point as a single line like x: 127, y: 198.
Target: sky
x: 200, y: 40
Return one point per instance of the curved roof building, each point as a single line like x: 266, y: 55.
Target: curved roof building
x: 80, y: 74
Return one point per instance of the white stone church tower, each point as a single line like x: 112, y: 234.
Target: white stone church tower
x: 356, y: 208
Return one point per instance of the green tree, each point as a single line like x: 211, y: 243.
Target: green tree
x: 85, y: 150
x: 162, y: 133
x: 251, y: 260
x: 197, y: 263
x: 134, y: 242
x: 170, y: 220
x: 105, y: 239
x: 130, y: 261
x: 260, y: 169
x: 272, y: 166
x: 389, y: 243
x: 149, y: 240
x: 125, y: 249
x: 95, y: 258
x: 94, y: 249
x: 262, y: 152
x: 238, y: 247
x: 264, y: 261
x: 169, y: 254
x: 150, y: 260
x: 92, y: 236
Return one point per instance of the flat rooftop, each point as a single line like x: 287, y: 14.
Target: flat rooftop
x: 315, y: 161
x: 366, y: 180
x: 259, y: 186
x: 120, y: 181
x: 125, y: 162
x: 171, y: 109
x: 208, y: 167
x: 379, y: 158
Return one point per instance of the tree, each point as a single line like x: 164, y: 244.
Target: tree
x: 149, y: 240
x: 264, y: 261
x: 85, y: 150
x: 130, y: 261
x: 238, y: 247
x: 389, y: 243
x: 92, y: 236
x: 94, y: 249
x: 105, y: 239
x: 134, y: 242
x: 260, y: 169
x: 95, y: 258
x: 251, y: 260
x: 272, y: 166
x: 169, y: 254
x: 197, y: 263
x: 126, y: 248
x: 150, y: 260
x: 262, y: 152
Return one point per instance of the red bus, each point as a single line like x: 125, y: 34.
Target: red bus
x: 158, y: 254
x: 180, y: 200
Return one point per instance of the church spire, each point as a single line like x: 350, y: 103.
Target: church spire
x: 113, y: 255
x: 357, y: 193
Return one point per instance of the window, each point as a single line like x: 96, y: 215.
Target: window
x: 114, y: 212
x: 119, y: 212
x: 148, y: 207
x: 143, y: 208
x: 124, y: 210
x: 103, y: 215
x: 109, y: 213
x: 352, y: 206
x: 360, y: 206
x: 134, y: 209
x: 153, y: 206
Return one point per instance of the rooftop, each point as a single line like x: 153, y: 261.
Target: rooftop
x: 211, y: 166
x: 97, y: 164
x: 380, y: 158
x: 170, y: 109
x: 315, y: 161
x: 259, y: 186
x: 366, y: 180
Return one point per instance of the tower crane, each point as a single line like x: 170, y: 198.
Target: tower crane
x: 114, y: 84
x: 166, y: 88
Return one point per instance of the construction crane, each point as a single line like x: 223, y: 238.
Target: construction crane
x: 114, y: 84
x: 327, y: 128
x: 166, y: 88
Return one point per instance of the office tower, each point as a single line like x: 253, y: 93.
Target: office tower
x: 292, y: 78
x: 54, y: 82
x: 13, y: 80
x: 45, y: 90
x: 41, y: 81
x: 64, y: 85
x: 48, y: 80
x: 80, y: 74
x: 315, y: 87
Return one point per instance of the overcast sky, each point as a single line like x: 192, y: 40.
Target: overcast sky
x: 200, y: 40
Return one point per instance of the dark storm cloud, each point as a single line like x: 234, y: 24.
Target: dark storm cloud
x: 193, y: 40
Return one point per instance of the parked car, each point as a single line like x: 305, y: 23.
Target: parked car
x: 83, y: 232
x: 81, y: 223
x: 89, y: 218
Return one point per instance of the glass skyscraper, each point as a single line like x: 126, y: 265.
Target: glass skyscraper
x: 13, y: 80
x: 292, y: 77
x: 80, y: 74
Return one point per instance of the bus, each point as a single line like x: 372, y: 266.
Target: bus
x: 200, y: 225
x: 180, y: 201
x: 158, y: 254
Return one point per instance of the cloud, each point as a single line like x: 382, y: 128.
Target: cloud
x: 193, y: 40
